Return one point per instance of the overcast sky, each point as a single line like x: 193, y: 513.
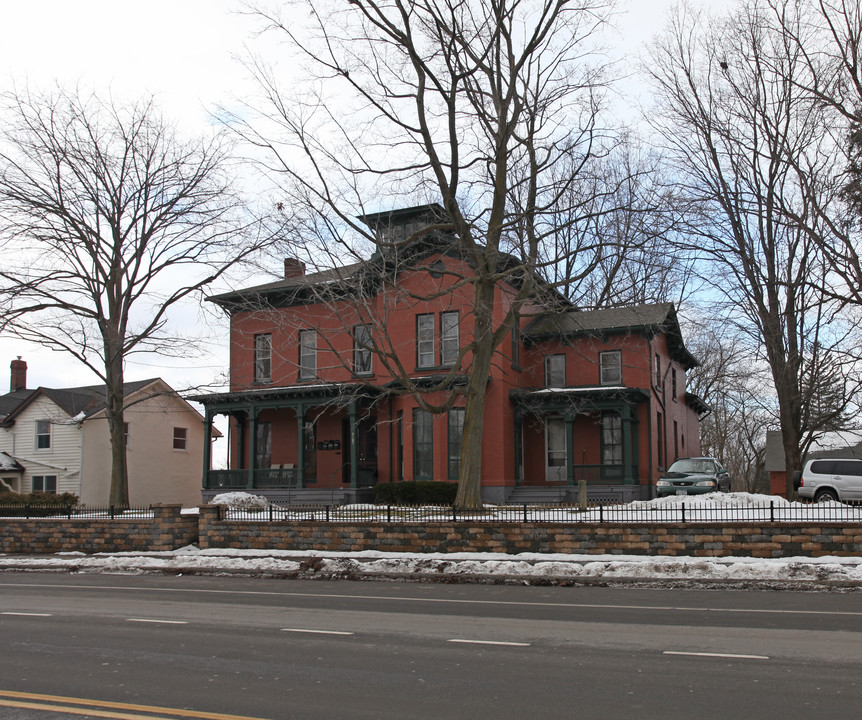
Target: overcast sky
x: 183, y: 51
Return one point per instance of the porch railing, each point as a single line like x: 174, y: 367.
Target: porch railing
x: 603, y: 474
x: 260, y: 478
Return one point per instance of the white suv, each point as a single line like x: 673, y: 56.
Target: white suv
x: 830, y: 479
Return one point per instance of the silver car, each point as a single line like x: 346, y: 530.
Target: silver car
x: 831, y: 479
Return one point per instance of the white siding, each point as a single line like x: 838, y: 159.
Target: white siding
x: 62, y: 459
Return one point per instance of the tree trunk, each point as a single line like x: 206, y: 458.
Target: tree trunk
x: 114, y: 401
x: 470, y: 477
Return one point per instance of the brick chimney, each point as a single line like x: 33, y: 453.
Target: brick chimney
x: 293, y: 268
x: 19, y: 375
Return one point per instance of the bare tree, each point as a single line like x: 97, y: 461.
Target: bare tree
x: 478, y: 104
x: 738, y: 127
x: 108, y: 221
x: 827, y: 37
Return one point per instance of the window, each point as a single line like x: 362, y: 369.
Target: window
x: 362, y: 350
x: 263, y: 458
x: 555, y: 370
x: 425, y: 340
x: 456, y: 434
x: 307, y: 354
x: 181, y: 438
x: 611, y: 368
x: 659, y: 435
x: 263, y: 358
x: 126, y: 434
x: 423, y: 445
x: 450, y: 341
x: 43, y: 434
x: 673, y: 383
x: 612, y: 439
x: 675, y: 439
x: 658, y: 371
x: 45, y: 483
x: 516, y: 342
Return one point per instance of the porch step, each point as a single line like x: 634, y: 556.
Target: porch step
x: 541, y: 495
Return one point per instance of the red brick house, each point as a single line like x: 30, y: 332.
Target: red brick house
x: 319, y: 410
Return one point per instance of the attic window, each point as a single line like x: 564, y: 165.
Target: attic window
x: 438, y: 267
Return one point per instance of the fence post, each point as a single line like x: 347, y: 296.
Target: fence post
x: 69, y: 511
x: 771, y: 511
x: 454, y: 513
x: 389, y: 513
x: 327, y: 513
x: 27, y: 510
x: 682, y: 505
x: 270, y: 512
x: 525, y: 512
x: 601, y: 513
x: 112, y: 512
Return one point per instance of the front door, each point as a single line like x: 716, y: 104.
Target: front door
x: 555, y: 450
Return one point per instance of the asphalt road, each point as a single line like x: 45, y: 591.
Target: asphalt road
x: 221, y: 647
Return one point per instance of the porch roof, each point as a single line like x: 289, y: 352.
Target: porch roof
x: 556, y: 397
x: 306, y: 392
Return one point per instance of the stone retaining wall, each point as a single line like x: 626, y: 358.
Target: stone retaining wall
x: 168, y: 530
x: 707, y: 539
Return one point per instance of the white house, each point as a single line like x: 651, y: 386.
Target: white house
x: 57, y: 441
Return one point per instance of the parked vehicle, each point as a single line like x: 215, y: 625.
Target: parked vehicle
x: 831, y: 479
x: 693, y: 476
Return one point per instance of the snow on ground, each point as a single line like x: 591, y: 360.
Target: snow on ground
x: 527, y: 568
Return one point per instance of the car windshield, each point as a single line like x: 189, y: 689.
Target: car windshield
x: 692, y: 466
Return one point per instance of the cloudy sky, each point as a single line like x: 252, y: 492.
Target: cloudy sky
x: 184, y: 52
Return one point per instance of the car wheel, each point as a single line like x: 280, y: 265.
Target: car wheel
x: 826, y: 496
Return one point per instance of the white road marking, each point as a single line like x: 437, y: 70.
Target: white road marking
x: 717, y: 655
x: 155, y: 620
x: 453, y: 601
x: 27, y: 614
x: 489, y: 642
x: 316, y: 632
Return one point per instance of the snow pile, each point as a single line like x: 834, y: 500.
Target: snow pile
x: 716, y: 499
x: 241, y: 501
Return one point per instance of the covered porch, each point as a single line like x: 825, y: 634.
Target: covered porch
x: 565, y: 437
x: 313, y: 443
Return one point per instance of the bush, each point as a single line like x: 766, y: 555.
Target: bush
x: 41, y: 504
x: 421, y: 492
x: 38, y: 498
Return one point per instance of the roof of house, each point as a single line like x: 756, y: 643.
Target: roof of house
x: 9, y: 464
x: 12, y: 400
x: 835, y: 444
x: 86, y: 400
x: 654, y: 318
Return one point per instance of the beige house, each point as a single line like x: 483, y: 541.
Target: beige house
x: 57, y: 440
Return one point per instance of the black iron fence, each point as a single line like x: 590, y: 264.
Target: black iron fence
x: 76, y: 512
x: 637, y: 512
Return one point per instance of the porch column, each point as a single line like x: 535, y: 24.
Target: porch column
x: 519, y: 449
x: 570, y: 449
x: 252, y: 443
x: 300, y: 445
x: 626, y: 416
x: 354, y: 444
x: 208, y: 434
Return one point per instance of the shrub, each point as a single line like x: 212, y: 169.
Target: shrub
x: 41, y: 504
x: 38, y: 498
x: 421, y: 492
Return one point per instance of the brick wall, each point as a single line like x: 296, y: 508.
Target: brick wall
x: 736, y: 539
x: 169, y: 530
